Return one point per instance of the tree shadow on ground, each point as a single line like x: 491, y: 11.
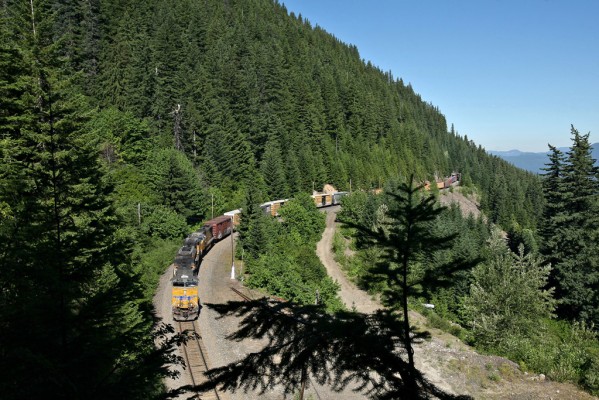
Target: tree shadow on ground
x: 346, y: 350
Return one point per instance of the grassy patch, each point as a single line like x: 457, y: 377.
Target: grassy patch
x: 436, y: 321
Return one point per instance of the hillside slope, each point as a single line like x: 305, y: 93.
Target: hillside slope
x: 256, y: 97
x: 444, y: 359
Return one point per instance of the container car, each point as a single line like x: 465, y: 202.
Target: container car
x: 272, y: 207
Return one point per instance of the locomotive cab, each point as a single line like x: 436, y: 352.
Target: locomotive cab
x: 185, y: 300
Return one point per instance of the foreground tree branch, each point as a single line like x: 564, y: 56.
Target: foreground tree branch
x: 344, y: 350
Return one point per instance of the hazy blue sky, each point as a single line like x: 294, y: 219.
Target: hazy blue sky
x: 509, y: 74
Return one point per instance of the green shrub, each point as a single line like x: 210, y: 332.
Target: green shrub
x: 438, y: 322
x: 164, y: 223
x: 564, y: 352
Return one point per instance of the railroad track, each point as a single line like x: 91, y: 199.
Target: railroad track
x: 247, y: 298
x: 196, y: 360
x: 240, y: 294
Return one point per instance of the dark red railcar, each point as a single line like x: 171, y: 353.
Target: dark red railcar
x: 219, y: 226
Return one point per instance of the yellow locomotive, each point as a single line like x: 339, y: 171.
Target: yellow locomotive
x: 185, y: 301
x: 184, y: 289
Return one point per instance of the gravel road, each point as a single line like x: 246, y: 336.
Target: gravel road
x: 215, y: 288
x: 446, y: 361
x: 349, y: 293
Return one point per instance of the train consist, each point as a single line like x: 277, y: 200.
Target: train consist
x: 184, y: 293
x: 320, y: 200
x: 445, y: 183
x: 449, y: 181
x: 185, y: 299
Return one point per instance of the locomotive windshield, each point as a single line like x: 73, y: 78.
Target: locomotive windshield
x: 185, y: 283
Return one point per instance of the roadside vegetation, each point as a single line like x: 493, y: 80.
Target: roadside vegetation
x: 509, y: 303
x: 124, y: 125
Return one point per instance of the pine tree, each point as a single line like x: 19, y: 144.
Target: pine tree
x: 176, y: 183
x: 63, y: 272
x: 405, y: 232
x: 252, y: 234
x: 273, y: 171
x: 508, y: 296
x: 572, y: 229
x: 553, y: 211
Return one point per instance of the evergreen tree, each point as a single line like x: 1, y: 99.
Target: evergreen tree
x: 405, y: 232
x: 553, y: 212
x: 273, y: 170
x: 572, y: 229
x: 64, y: 274
x: 176, y: 183
x: 507, y: 298
x: 251, y: 237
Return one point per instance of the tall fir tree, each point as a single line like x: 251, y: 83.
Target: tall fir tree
x: 554, y: 194
x: 571, y: 229
x: 404, y: 229
x: 273, y: 171
x: 70, y: 323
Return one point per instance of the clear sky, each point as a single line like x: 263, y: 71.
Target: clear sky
x: 510, y: 74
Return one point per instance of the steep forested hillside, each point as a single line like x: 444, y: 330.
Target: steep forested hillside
x: 125, y: 123
x: 255, y: 96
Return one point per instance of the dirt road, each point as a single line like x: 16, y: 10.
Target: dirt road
x: 349, y: 293
x: 445, y: 360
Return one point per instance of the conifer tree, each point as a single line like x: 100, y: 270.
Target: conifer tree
x: 571, y: 229
x: 273, y: 171
x: 554, y: 194
x: 64, y: 275
x: 176, y: 183
x: 405, y: 233
x: 508, y: 296
x: 252, y: 234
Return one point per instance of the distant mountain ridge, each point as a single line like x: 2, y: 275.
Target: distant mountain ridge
x: 534, y: 162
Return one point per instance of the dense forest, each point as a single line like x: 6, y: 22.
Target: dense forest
x: 125, y: 124
x: 252, y: 96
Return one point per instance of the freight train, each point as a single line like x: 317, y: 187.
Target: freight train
x: 185, y: 297
x: 185, y: 301
x: 449, y: 181
x: 320, y: 200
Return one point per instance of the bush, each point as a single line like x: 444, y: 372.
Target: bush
x: 153, y: 260
x: 438, y: 322
x: 563, y: 352
x: 164, y: 223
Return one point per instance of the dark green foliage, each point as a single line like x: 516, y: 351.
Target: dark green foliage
x: 507, y: 297
x: 299, y: 278
x: 164, y: 223
x: 256, y: 230
x: 468, y: 247
x: 302, y: 220
x: 170, y: 175
x: 72, y: 323
x: 273, y: 170
x: 562, y: 351
x: 571, y: 229
x: 120, y: 136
